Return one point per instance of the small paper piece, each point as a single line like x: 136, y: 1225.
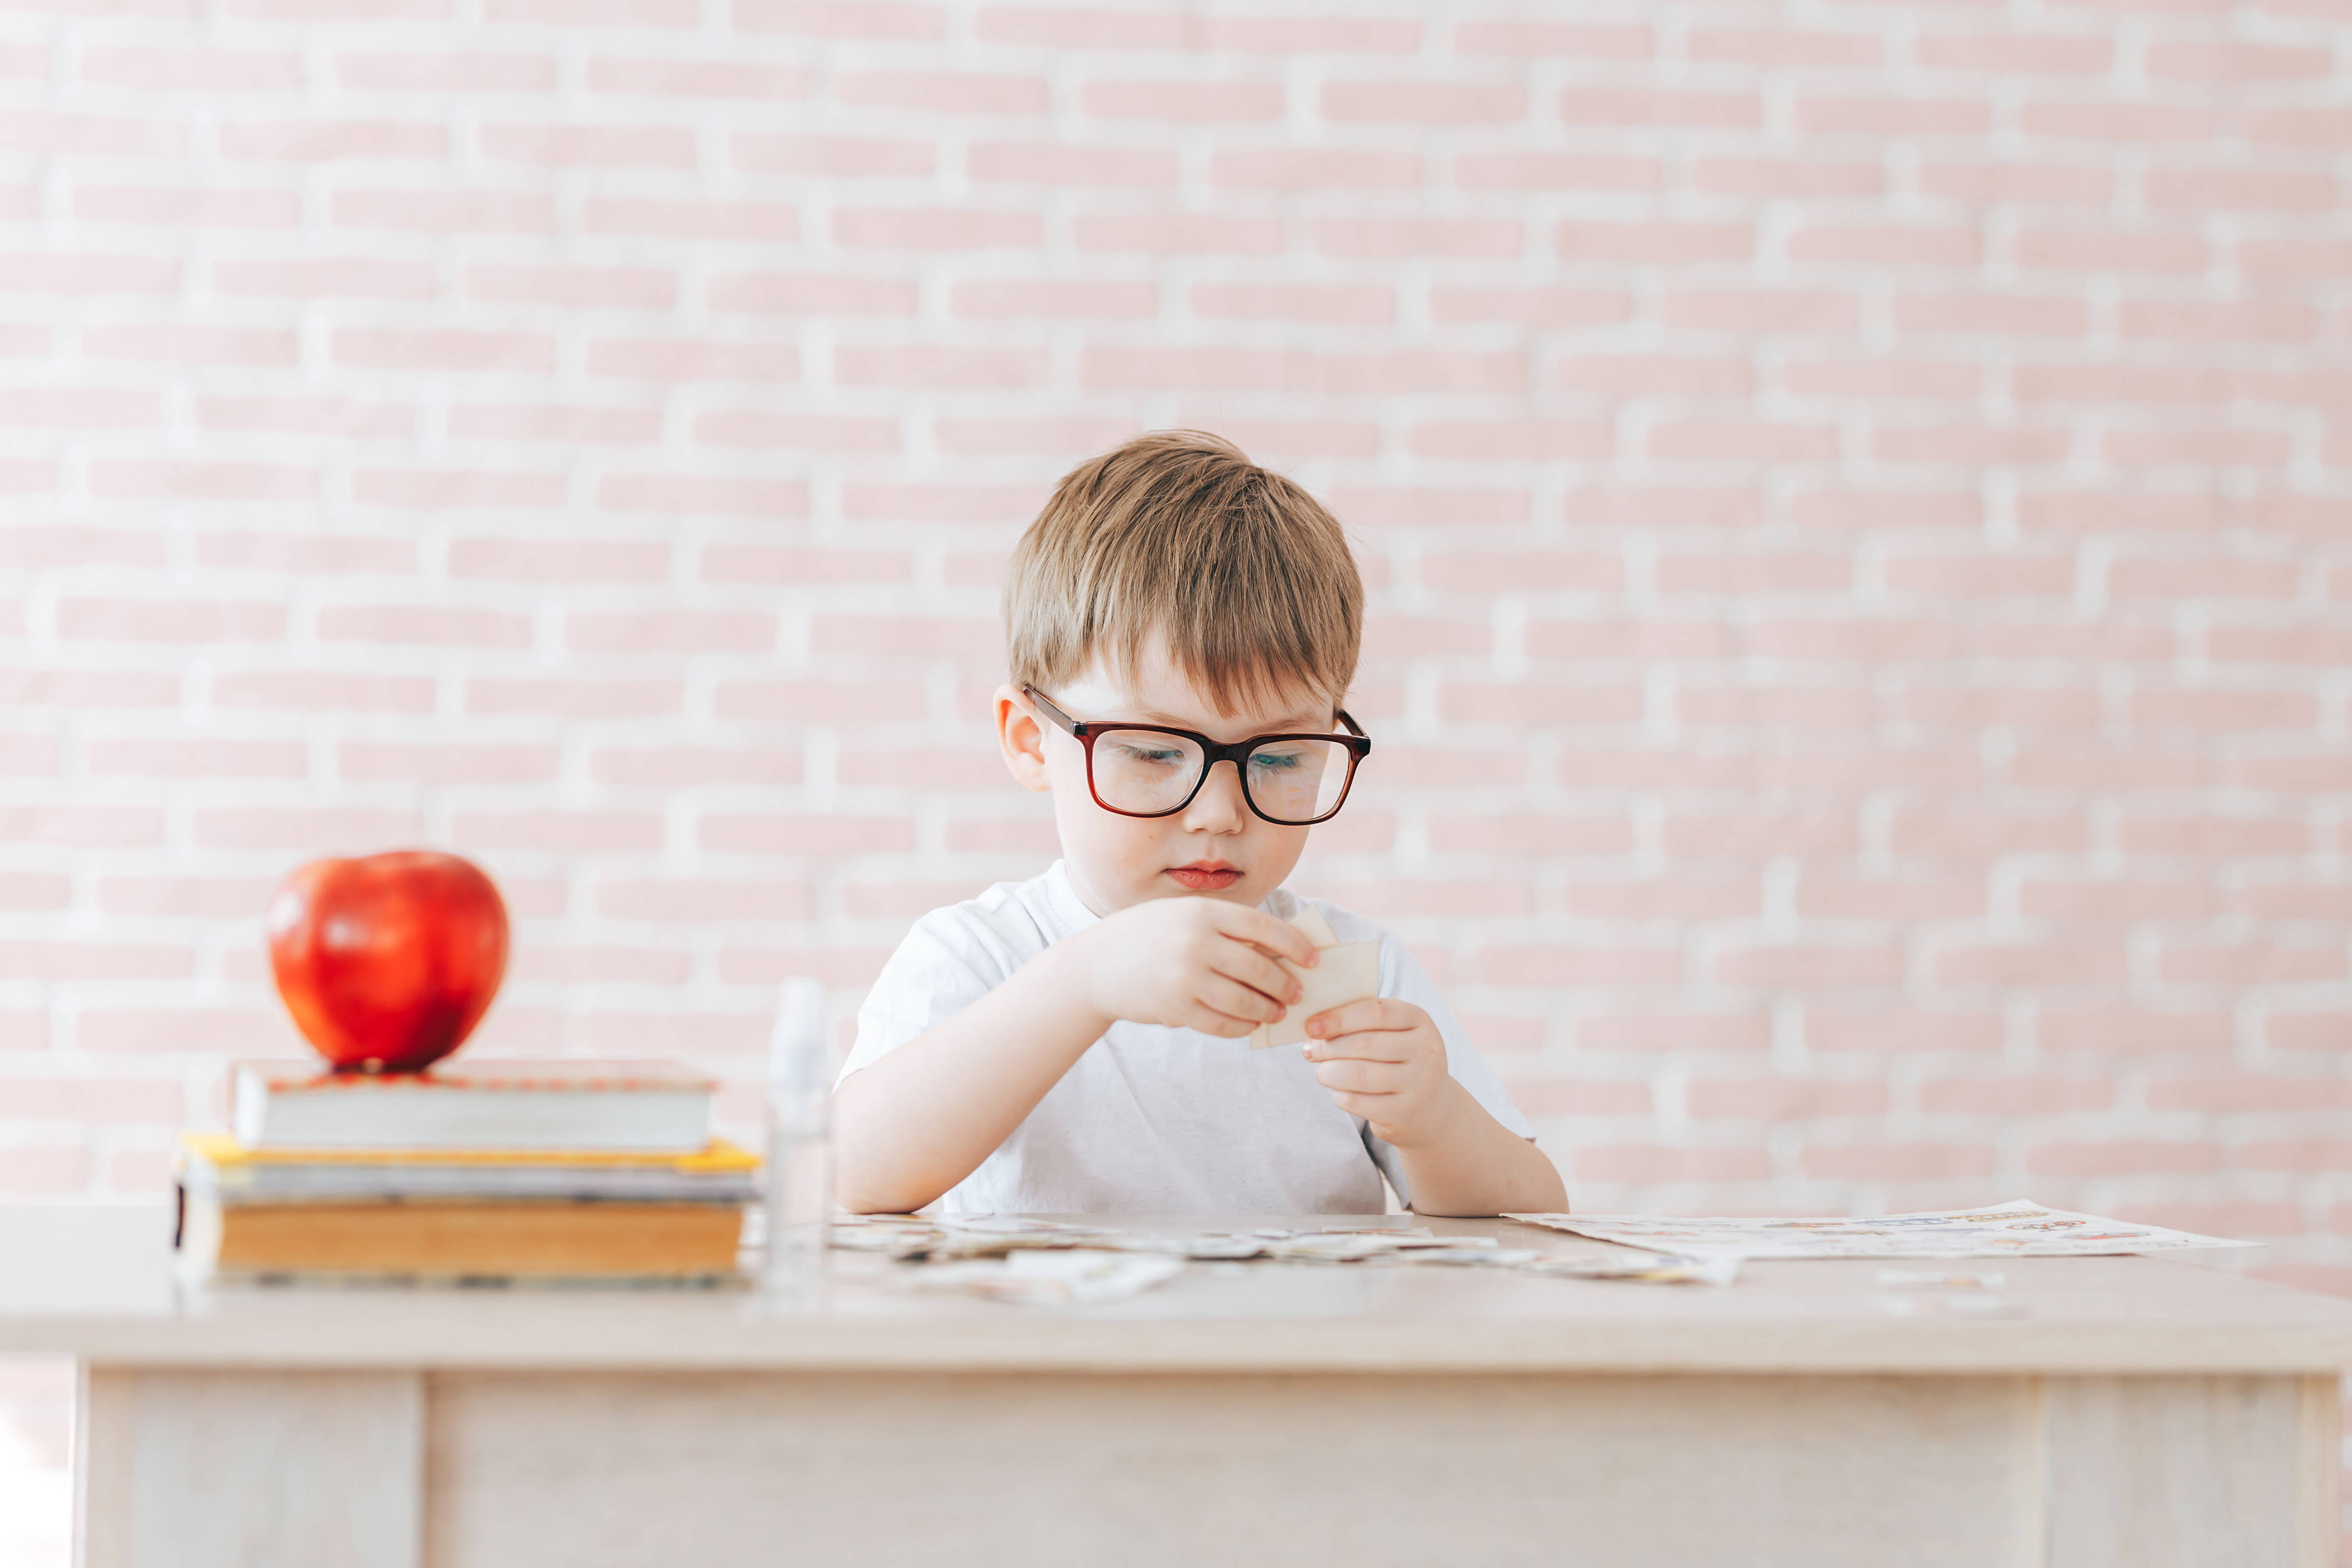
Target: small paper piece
x: 1648, y: 1267
x: 1343, y: 973
x: 1067, y: 1278
x: 2020, y: 1228
x: 1936, y: 1280
x: 1957, y: 1306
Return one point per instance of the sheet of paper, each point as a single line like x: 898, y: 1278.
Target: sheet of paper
x: 2020, y: 1228
x: 1343, y: 973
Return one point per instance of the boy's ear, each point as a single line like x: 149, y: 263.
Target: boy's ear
x: 1022, y: 738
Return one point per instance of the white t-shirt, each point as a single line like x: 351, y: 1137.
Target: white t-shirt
x: 1154, y: 1119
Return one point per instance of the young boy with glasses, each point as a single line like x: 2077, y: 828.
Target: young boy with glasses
x: 1182, y: 628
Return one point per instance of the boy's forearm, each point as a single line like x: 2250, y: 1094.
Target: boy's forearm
x: 1476, y: 1167
x: 923, y: 1117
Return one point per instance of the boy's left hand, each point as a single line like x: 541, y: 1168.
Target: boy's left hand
x: 1385, y: 1061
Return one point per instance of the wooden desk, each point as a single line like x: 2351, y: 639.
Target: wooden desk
x: 2146, y: 1414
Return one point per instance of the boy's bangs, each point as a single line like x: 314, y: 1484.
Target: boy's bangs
x: 1177, y: 544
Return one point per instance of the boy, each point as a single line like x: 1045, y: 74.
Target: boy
x: 1075, y: 1042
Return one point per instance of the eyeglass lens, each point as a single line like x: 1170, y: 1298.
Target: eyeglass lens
x: 1147, y: 772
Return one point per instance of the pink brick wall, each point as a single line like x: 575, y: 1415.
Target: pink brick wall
x: 1859, y: 500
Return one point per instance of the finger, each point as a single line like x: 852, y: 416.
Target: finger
x: 1365, y: 1015
x: 1242, y: 963
x: 1377, y: 1046
x: 1370, y: 1107
x: 1209, y: 1021
x: 1262, y: 930
x: 1359, y: 1077
x: 1235, y: 1000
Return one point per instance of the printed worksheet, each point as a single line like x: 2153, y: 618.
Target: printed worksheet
x: 2017, y: 1229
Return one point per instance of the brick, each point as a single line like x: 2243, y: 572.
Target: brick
x: 196, y: 759
x: 2230, y: 60
x: 1663, y: 107
x: 693, y: 358
x: 422, y: 626
x: 164, y: 207
x: 453, y: 71
x: 307, y: 692
x: 586, y: 424
x: 2010, y: 53
x: 805, y: 293
x: 560, y: 832
x: 2180, y: 961
x: 2022, y: 1095
x: 444, y: 212
x: 1657, y: 1163
x: 585, y: 288
x: 679, y: 631
x: 1820, y: 965
x: 817, y: 432
x: 1884, y: 1161
x: 927, y: 229
x: 695, y: 494
x: 445, y: 765
x: 703, y: 901
x: 203, y: 481
x: 675, y: 767
x: 1837, y: 1032
x: 878, y: 19
x: 313, y: 831
x: 1787, y: 179
x: 1104, y: 300
x: 1531, y: 306
x: 168, y: 621
x: 575, y: 699
x: 2120, y: 1157
x: 446, y: 350
x: 355, y: 277
x: 335, y: 141
x: 2093, y: 250
x: 1054, y: 163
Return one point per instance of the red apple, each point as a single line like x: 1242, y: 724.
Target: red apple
x: 387, y: 961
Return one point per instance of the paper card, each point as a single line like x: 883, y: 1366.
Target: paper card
x: 2019, y: 1228
x: 1347, y: 972
x: 1318, y: 930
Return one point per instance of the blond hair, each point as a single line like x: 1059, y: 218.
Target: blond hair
x: 1178, y: 538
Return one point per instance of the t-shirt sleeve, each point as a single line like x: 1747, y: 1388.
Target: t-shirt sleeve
x: 940, y: 970
x: 1403, y: 979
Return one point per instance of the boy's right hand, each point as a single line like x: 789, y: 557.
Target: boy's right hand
x: 1193, y: 963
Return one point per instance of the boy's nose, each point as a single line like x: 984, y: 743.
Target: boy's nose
x: 1219, y: 807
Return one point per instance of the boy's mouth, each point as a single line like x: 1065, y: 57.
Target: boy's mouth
x: 1205, y: 875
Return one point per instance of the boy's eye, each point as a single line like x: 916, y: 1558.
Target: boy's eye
x: 1157, y: 757
x: 1274, y: 762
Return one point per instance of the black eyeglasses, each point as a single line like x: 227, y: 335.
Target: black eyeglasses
x: 1146, y: 770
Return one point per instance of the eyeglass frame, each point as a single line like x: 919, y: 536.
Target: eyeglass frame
x: 1357, y: 745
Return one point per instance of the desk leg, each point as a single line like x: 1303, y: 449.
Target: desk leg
x: 248, y: 1469
x: 2182, y: 1472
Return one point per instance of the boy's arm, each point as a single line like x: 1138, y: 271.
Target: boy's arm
x: 1384, y: 1060
x: 1476, y: 1167
x: 922, y: 1119
x: 913, y: 1124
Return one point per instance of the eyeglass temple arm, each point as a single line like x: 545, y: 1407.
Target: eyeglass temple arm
x: 1353, y: 728
x: 1055, y: 714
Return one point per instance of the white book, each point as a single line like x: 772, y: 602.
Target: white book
x: 587, y: 1107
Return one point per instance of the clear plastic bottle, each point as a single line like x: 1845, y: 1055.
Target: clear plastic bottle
x: 800, y: 1152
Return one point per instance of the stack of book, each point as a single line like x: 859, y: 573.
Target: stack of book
x: 485, y: 1170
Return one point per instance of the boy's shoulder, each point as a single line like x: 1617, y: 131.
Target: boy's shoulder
x: 1017, y: 919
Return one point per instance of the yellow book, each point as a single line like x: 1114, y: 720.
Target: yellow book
x: 718, y: 1157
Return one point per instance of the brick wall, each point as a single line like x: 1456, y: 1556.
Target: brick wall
x: 1857, y: 497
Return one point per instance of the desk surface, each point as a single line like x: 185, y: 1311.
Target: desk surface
x: 96, y: 1283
